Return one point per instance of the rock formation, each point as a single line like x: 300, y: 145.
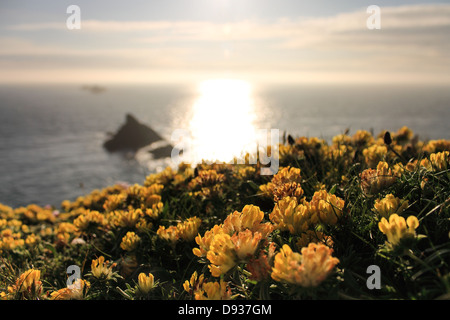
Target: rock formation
x: 133, y: 136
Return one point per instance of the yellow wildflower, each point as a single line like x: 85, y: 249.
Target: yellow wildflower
x: 155, y: 210
x: 194, y: 284
x: 204, y: 242
x: 74, y: 291
x: 325, y: 207
x: 169, y: 234
x: 289, y: 215
x: 440, y: 161
x: 374, y: 153
x: 250, y: 218
x: 313, y: 236
x: 245, y: 244
x: 307, y: 269
x: 404, y: 134
x: 100, y: 268
x: 130, y: 241
x: 397, y: 229
x: 434, y: 146
x: 115, y: 201
x: 213, y: 291
x: 260, y: 266
x: 146, y: 282
x: 28, y: 283
x: 31, y: 240
x: 163, y: 177
x: 362, y: 137
x: 126, y: 219
x: 89, y: 219
x: 187, y: 230
x: 286, y: 175
x: 341, y: 139
x: 143, y: 225
x: 221, y: 254
x: 375, y: 180
x: 389, y: 205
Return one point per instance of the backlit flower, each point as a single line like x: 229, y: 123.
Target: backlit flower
x: 155, y: 210
x: 130, y: 241
x: 389, y: 205
x: 313, y: 236
x: 245, y: 244
x: 146, y: 282
x: 362, y: 138
x: 89, y: 219
x: 290, y: 189
x: 307, y: 269
x: 101, y: 268
x: 250, y: 218
x: 318, y: 263
x: 397, y: 228
x: 28, y: 283
x: 325, y: 207
x: 288, y: 214
x: 74, y: 291
x: 125, y: 218
x: 194, y: 284
x: 434, y: 146
x: 221, y: 254
x: 169, y: 234
x: 375, y: 180
x: 213, y: 291
x: 277, y: 189
x: 188, y: 229
x: 440, y: 161
x: 204, y: 242
x: 374, y: 153
x: 260, y: 266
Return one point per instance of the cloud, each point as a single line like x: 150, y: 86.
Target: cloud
x: 412, y: 39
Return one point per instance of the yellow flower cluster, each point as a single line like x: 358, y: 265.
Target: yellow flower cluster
x: 75, y: 291
x: 434, y: 146
x: 207, y: 290
x: 28, y: 284
x: 325, y: 207
x: 130, y: 241
x: 185, y: 230
x: 308, y: 269
x: 375, y: 180
x: 92, y: 199
x: 374, y: 154
x: 286, y: 182
x: 208, y: 184
x: 10, y: 240
x: 289, y: 214
x: 362, y: 138
x: 234, y: 241
x: 389, y: 205
x: 397, y: 229
x: 440, y: 161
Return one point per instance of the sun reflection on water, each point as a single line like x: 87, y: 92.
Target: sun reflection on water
x: 223, y: 122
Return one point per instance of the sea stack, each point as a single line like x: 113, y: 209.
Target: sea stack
x: 132, y: 136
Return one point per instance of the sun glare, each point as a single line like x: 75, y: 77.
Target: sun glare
x: 222, y: 125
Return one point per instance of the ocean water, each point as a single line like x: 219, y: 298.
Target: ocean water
x: 51, y: 136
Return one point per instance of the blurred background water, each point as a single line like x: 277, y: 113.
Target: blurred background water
x: 51, y: 136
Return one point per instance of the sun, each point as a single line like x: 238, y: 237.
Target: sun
x: 222, y: 125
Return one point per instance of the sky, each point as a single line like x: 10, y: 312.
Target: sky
x: 158, y: 41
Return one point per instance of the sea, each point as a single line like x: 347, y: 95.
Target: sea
x: 51, y: 136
